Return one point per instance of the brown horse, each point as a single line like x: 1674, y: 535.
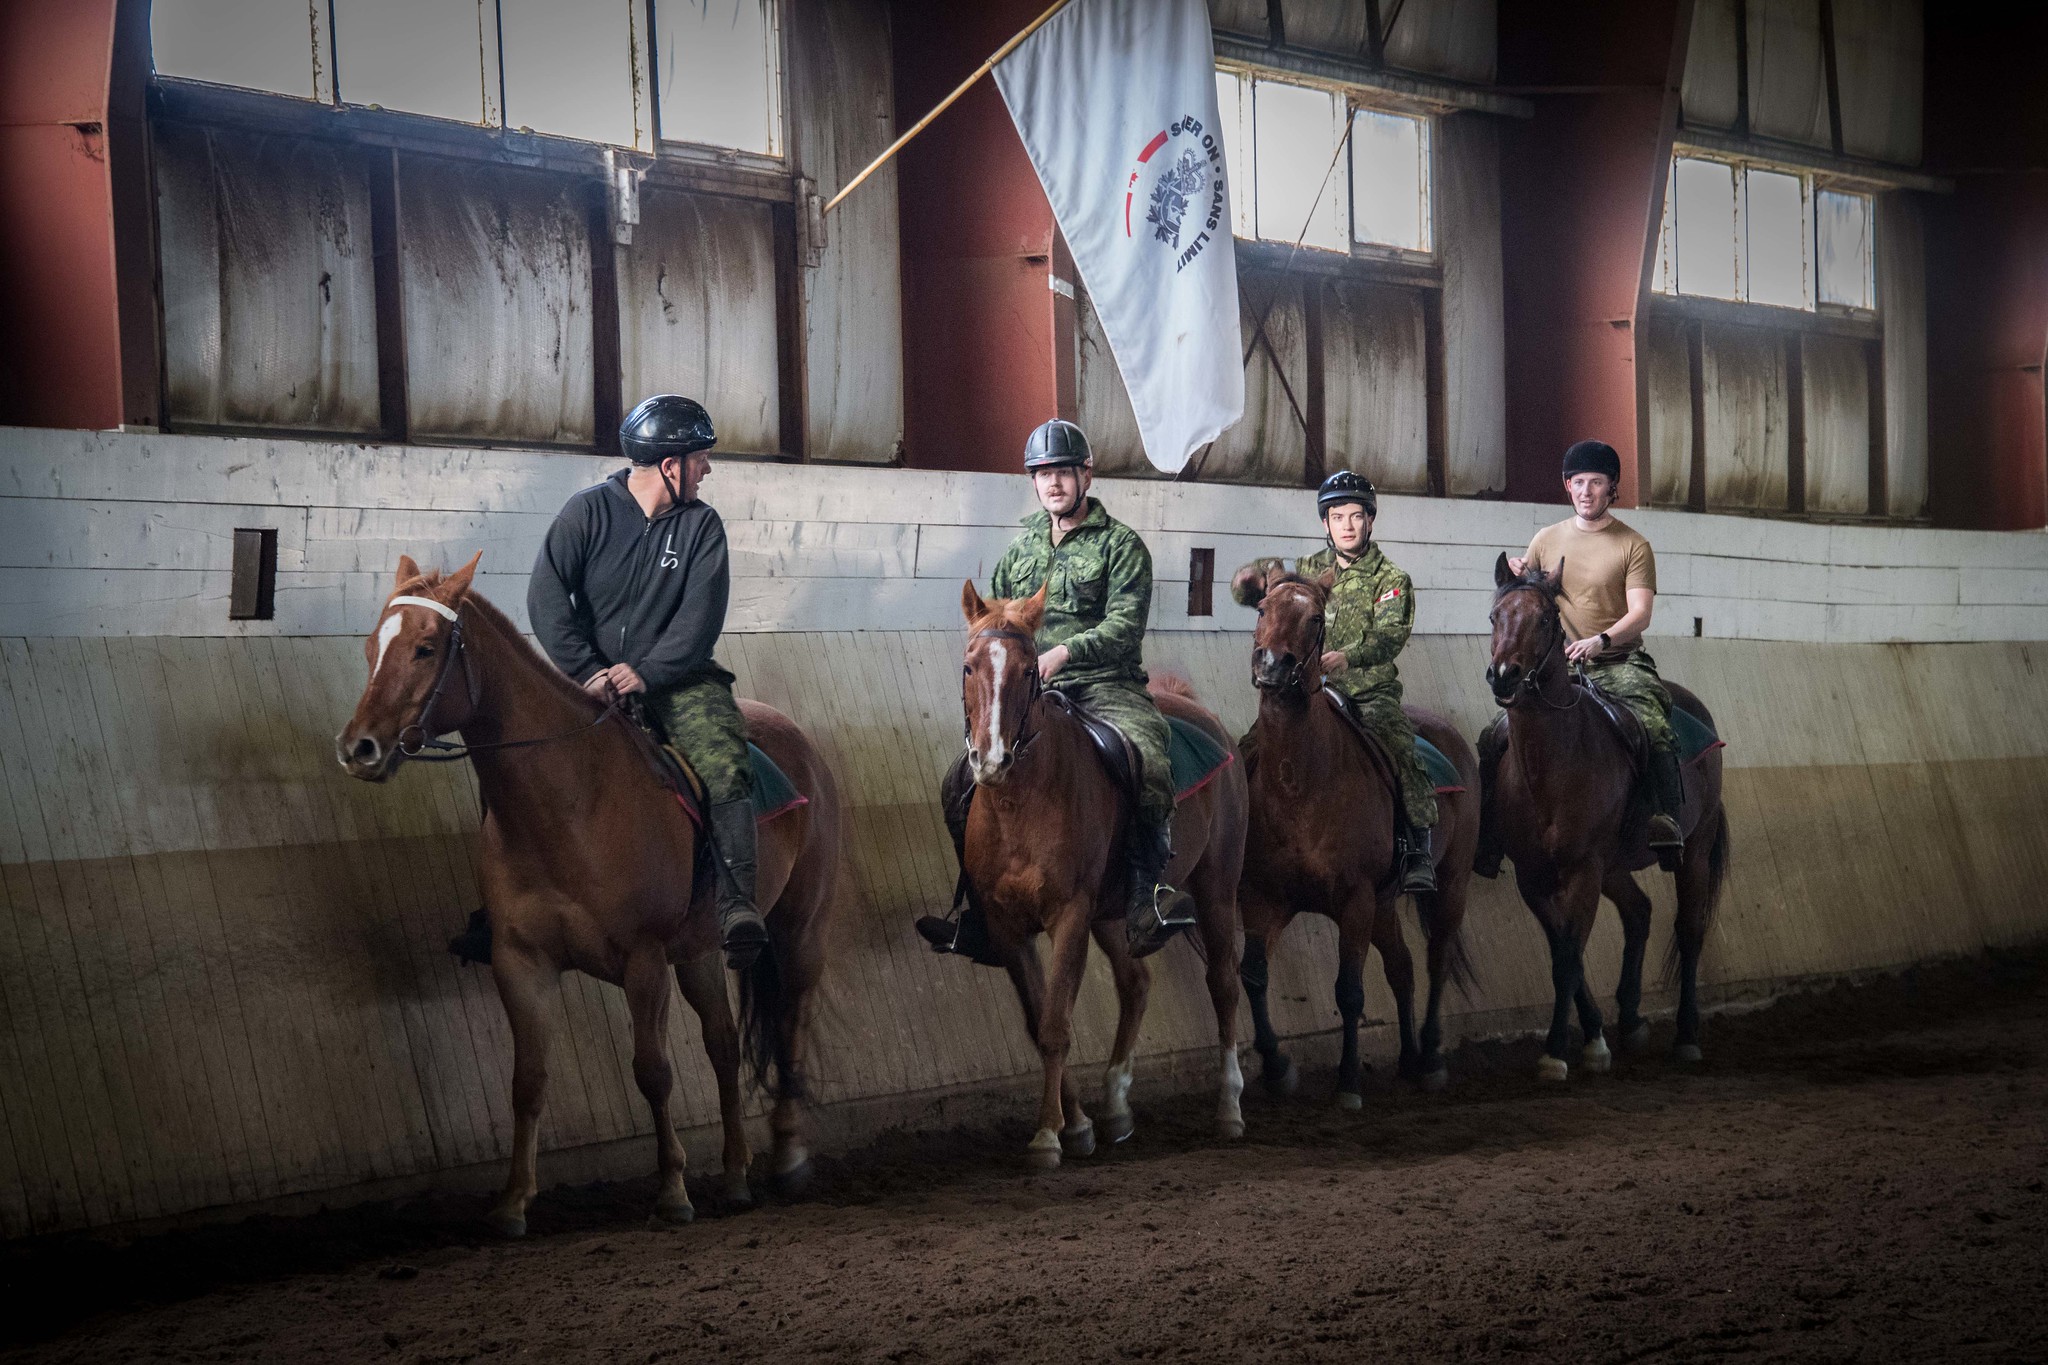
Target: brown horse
x: 586, y: 862
x: 1322, y: 840
x: 1046, y: 819
x: 1565, y: 789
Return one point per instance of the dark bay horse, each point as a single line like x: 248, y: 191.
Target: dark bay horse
x: 1322, y: 840
x: 1566, y: 794
x: 586, y: 863
x: 1046, y: 821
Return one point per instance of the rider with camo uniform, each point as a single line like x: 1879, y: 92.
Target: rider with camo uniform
x: 628, y: 598
x: 1097, y: 576
x: 1370, y: 614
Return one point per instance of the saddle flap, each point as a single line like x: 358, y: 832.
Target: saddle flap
x: 1111, y: 747
x: 1626, y: 723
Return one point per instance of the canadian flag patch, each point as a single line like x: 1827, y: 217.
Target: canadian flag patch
x: 1389, y: 595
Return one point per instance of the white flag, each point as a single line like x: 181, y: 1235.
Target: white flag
x: 1116, y: 103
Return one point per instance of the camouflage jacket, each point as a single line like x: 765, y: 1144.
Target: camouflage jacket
x: 1371, y: 612
x: 1098, y: 593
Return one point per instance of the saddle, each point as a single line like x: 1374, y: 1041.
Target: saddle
x: 1443, y: 774
x: 1117, y: 753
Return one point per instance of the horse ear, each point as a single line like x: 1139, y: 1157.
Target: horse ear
x: 1328, y: 579
x: 456, y: 584
x: 1502, y: 574
x: 971, y: 604
x: 1556, y: 580
x: 407, y: 570
x: 1030, y: 613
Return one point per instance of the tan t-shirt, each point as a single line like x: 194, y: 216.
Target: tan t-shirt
x: 1599, y: 569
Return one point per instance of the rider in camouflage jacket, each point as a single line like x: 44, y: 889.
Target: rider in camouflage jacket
x: 1370, y: 614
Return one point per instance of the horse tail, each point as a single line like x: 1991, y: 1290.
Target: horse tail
x: 1459, y: 969
x: 1717, y: 877
x: 1172, y: 685
x: 762, y: 1001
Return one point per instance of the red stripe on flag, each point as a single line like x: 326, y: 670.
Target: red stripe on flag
x: 1154, y: 145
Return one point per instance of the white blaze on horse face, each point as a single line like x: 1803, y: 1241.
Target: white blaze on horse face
x: 386, y: 633
x: 1000, y: 657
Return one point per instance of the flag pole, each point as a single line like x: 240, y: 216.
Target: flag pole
x: 1005, y: 50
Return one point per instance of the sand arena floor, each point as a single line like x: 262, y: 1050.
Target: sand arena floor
x: 1857, y: 1174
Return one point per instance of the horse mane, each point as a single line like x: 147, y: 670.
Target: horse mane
x: 488, y: 614
x: 1315, y: 585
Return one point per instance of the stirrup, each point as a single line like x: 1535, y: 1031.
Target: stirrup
x: 1169, y: 912
x: 959, y: 936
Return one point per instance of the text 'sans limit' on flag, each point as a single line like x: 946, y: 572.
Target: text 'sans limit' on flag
x: 1116, y: 103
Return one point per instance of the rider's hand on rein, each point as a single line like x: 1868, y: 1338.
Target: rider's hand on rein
x: 1051, y: 662
x: 1334, y: 663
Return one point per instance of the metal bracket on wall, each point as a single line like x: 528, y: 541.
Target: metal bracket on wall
x: 810, y: 213
x: 622, y: 195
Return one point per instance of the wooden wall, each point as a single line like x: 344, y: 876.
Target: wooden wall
x: 221, y: 969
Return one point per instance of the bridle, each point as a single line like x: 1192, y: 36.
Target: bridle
x: 1295, y: 679
x: 415, y: 748
x: 1530, y: 686
x: 1027, y: 732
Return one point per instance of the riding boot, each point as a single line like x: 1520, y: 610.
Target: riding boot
x: 1418, y: 860
x: 1156, y: 911
x: 473, y: 944
x: 1667, y: 791
x: 966, y: 934
x: 1486, y: 858
x: 741, y: 930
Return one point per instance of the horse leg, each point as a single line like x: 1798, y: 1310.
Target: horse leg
x: 1634, y: 906
x: 1695, y: 904
x: 1399, y: 966
x: 1133, y: 987
x: 801, y: 967
x: 1027, y: 975
x: 1219, y: 945
x: 1432, y: 1072
x: 1354, y: 936
x: 1061, y: 1122
x: 1567, y: 918
x: 1277, y: 1072
x: 647, y: 1000
x: 520, y: 978
x: 702, y: 979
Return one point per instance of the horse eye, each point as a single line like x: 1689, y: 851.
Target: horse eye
x: 423, y: 652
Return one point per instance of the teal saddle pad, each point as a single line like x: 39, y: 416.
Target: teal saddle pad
x: 1443, y: 774
x: 774, y: 793
x: 1195, y: 754
x: 1695, y: 737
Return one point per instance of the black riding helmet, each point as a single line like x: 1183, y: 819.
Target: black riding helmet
x: 1592, y: 457
x: 1346, y: 486
x: 666, y: 425
x: 1057, y: 444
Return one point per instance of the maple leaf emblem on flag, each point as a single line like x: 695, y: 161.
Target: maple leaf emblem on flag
x: 1171, y: 196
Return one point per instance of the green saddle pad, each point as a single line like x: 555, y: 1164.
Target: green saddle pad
x: 1694, y: 736
x: 774, y: 793
x: 1195, y: 754
x: 1443, y: 774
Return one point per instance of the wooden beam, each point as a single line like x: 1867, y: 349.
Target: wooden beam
x: 1436, y: 424
x: 1827, y: 57
x: 393, y: 405
x: 1793, y: 347
x: 1314, y: 418
x: 1696, y: 373
x: 607, y: 408
x: 792, y: 360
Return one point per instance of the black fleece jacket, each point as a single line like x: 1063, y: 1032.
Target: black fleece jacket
x: 612, y: 586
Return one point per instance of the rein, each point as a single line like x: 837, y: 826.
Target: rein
x: 415, y: 748
x: 1295, y: 679
x: 1027, y: 732
x: 1530, y: 686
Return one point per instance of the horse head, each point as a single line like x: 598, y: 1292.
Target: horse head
x: 408, y: 697
x: 999, y: 679
x: 1287, y: 644
x: 1528, y: 634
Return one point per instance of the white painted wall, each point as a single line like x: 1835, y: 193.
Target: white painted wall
x: 106, y: 533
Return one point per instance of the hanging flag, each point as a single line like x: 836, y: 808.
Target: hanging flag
x: 1116, y: 103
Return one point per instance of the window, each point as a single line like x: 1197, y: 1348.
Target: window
x: 1759, y: 234
x: 720, y: 73
x: 1290, y: 182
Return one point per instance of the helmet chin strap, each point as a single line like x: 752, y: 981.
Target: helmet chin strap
x: 661, y: 467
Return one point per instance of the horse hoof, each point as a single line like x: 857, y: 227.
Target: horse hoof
x: 1552, y: 1069
x: 1044, y: 1152
x: 1118, y: 1127
x: 1688, y: 1053
x: 1282, y: 1083
x: 675, y: 1212
x: 1596, y: 1057
x: 1350, y: 1101
x: 1079, y: 1140
x: 733, y: 1189
x: 1230, y: 1129
x: 1637, y: 1038
x: 791, y: 1183
x: 505, y: 1224
x: 1435, y: 1079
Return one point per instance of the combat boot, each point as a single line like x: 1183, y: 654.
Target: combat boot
x: 1418, y: 861
x: 1667, y: 792
x: 1156, y: 912
x: 742, y: 933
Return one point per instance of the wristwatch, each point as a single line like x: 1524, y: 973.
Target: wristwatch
x: 1606, y: 644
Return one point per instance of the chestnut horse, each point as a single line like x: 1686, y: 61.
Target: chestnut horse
x: 1322, y: 840
x: 1566, y: 791
x: 1042, y: 833
x: 587, y: 860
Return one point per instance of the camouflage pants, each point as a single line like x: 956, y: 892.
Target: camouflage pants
x: 703, y: 722
x: 1634, y: 682
x: 1130, y: 708
x: 1390, y: 725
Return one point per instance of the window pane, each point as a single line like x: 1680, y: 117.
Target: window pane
x: 1389, y: 180
x: 1704, y: 227
x: 720, y: 73
x: 257, y: 44
x: 1237, y: 152
x: 569, y: 69
x: 421, y: 56
x: 1842, y: 230
x: 1775, y: 223
x: 1295, y: 132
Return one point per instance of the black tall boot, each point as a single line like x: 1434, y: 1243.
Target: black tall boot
x: 1667, y: 794
x: 741, y: 930
x: 1492, y: 741
x: 1155, y: 912
x: 1418, y: 859
x: 967, y: 933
